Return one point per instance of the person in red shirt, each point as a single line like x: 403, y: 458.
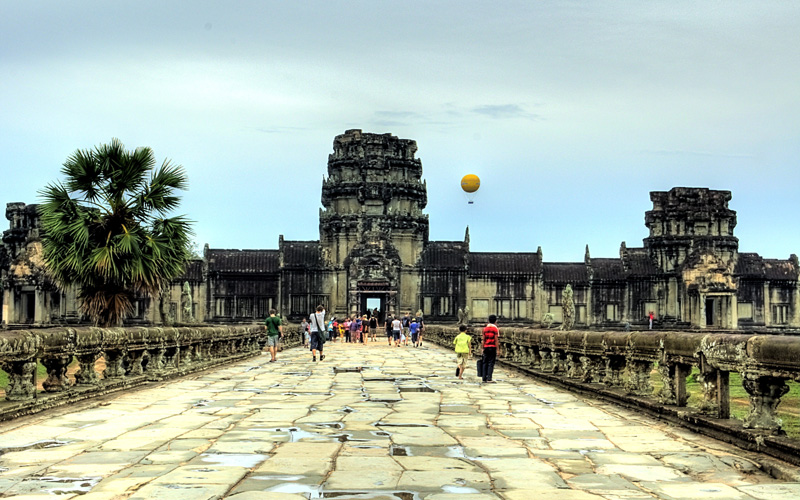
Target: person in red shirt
x: 491, y: 349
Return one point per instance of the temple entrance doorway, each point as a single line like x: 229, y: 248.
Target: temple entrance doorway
x: 373, y: 295
x: 375, y: 304
x: 710, y: 316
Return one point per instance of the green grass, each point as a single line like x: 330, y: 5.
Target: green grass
x: 788, y: 410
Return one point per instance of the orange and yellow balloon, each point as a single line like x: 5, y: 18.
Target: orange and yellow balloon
x: 470, y: 184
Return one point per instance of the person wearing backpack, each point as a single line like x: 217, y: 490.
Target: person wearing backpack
x: 318, y: 334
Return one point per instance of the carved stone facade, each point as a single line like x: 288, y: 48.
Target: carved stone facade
x: 374, y: 252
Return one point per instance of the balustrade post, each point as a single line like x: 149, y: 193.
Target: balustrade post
x: 155, y: 365
x: 574, y: 366
x: 21, y: 379
x: 86, y: 374
x: 135, y: 362
x: 681, y: 371
x: 115, y: 360
x: 57, y: 380
x: 639, y: 377
x: 614, y: 366
x: 716, y: 391
x: 765, y: 396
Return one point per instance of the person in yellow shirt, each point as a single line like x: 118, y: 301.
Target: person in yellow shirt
x: 463, y: 343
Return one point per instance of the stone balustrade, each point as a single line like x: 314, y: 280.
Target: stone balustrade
x: 133, y: 356
x: 618, y: 366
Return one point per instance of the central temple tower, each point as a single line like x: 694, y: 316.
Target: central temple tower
x: 372, y: 229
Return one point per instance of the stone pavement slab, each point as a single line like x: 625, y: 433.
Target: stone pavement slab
x: 368, y: 422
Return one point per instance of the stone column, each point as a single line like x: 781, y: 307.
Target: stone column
x: 87, y: 375
x: 21, y: 379
x: 57, y: 380
x: 765, y: 396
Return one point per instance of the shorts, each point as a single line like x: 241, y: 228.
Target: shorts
x: 272, y: 340
x: 462, y: 358
x: 396, y: 334
x: 315, y: 343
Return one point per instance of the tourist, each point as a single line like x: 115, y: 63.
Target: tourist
x: 388, y: 326
x: 420, y: 329
x: 355, y: 329
x: 274, y: 333
x: 463, y: 348
x: 373, y: 326
x: 491, y: 348
x: 341, y: 331
x: 317, y: 325
x: 651, y: 319
x: 397, y: 329
x: 364, y: 329
x: 413, y: 328
x: 406, y: 322
x: 347, y: 330
x: 304, y: 332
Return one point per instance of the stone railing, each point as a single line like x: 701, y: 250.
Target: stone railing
x: 133, y: 356
x: 618, y: 366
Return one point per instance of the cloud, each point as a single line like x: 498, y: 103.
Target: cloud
x: 504, y: 111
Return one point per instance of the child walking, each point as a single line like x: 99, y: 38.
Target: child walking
x: 463, y: 343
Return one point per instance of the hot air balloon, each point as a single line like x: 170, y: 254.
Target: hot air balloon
x: 470, y: 184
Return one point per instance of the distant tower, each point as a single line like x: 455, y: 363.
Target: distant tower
x: 373, y: 190
x: 686, y: 222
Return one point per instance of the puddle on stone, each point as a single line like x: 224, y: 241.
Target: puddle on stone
x: 381, y: 433
x: 347, y: 409
x: 308, y: 394
x: 399, y: 424
x: 449, y: 488
x: 297, y: 374
x: 278, y: 478
x: 249, y: 368
x: 399, y: 495
x: 203, y: 402
x: 399, y: 451
x: 423, y: 388
x: 248, y: 460
x: 37, y: 445
x: 329, y: 425
x: 346, y: 369
x: 66, y: 485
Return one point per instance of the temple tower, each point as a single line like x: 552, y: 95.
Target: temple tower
x: 691, y: 238
x: 372, y: 228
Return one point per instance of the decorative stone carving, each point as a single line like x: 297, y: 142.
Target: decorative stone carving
x: 20, y: 379
x: 186, y: 303
x: 638, y: 381
x: 567, y: 309
x: 765, y: 396
x: 115, y: 359
x: 86, y: 374
x: 57, y: 379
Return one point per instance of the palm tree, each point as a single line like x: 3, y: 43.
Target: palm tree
x: 106, y: 228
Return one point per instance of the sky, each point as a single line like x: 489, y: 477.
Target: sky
x: 570, y: 112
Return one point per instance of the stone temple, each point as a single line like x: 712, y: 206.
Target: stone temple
x: 374, y: 252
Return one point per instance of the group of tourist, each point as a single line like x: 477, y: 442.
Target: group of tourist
x: 491, y: 346
x: 357, y: 329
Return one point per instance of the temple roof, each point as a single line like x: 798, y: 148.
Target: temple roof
x: 444, y: 255
x: 243, y: 261
x: 608, y: 269
x: 752, y: 265
x: 301, y: 254
x: 565, y: 272
x: 504, y: 263
x: 192, y: 272
x: 638, y: 262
